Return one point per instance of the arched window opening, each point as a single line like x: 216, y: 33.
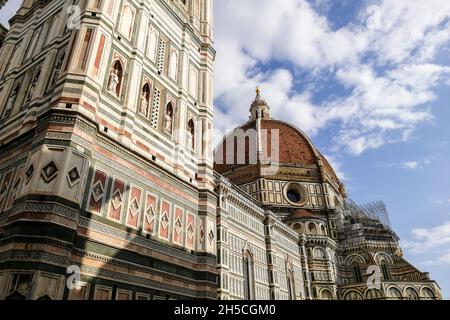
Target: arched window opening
x: 168, y: 118
x: 411, y: 294
x: 312, y: 228
x: 374, y: 294
x: 353, y: 295
x: 323, y: 231
x: 319, y: 254
x: 394, y: 293
x: 428, y: 294
x: 291, y: 285
x: 115, y: 78
x: 326, y: 295
x: 248, y: 277
x: 126, y: 24
x: 298, y: 227
x: 173, y: 65
x: 144, y: 105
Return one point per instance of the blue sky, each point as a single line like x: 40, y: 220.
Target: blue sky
x: 369, y: 82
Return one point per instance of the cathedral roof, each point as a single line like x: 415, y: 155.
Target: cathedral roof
x: 295, y: 147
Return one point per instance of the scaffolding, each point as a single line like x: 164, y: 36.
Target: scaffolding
x: 374, y: 211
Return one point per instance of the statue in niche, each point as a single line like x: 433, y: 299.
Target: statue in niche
x: 114, y: 80
x: 11, y: 100
x: 144, y: 104
x: 58, y: 69
x: 190, y: 134
x: 145, y: 100
x: 168, y: 118
x: 33, y: 86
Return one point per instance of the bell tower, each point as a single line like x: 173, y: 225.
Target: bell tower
x: 106, y: 118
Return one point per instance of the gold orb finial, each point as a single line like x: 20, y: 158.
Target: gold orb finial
x: 258, y: 90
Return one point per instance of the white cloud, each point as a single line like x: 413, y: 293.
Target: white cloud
x: 442, y: 260
x: 388, y: 71
x: 410, y: 165
x: 428, y: 239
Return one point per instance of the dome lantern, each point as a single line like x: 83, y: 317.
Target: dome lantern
x: 259, y: 108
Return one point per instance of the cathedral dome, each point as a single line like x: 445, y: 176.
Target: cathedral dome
x: 256, y: 136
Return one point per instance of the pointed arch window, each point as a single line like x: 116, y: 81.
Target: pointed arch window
x: 249, y: 281
x: 126, y: 23
x: 291, y: 285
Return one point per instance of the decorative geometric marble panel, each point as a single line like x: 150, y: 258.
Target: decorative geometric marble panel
x: 190, y: 230
x: 178, y: 226
x: 97, y: 192
x: 150, y: 214
x: 165, y: 220
x: 134, y: 208
x: 49, y: 172
x: 73, y: 177
x: 116, y: 205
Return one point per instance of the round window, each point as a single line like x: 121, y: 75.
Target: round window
x: 293, y: 196
x: 296, y: 194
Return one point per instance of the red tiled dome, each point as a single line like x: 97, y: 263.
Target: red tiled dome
x: 295, y: 147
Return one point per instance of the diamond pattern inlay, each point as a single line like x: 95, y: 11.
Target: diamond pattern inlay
x: 178, y: 226
x: 73, y: 176
x: 97, y: 191
x: 117, y: 200
x: 165, y: 220
x: 190, y: 231
x: 134, y: 207
x: 49, y: 172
